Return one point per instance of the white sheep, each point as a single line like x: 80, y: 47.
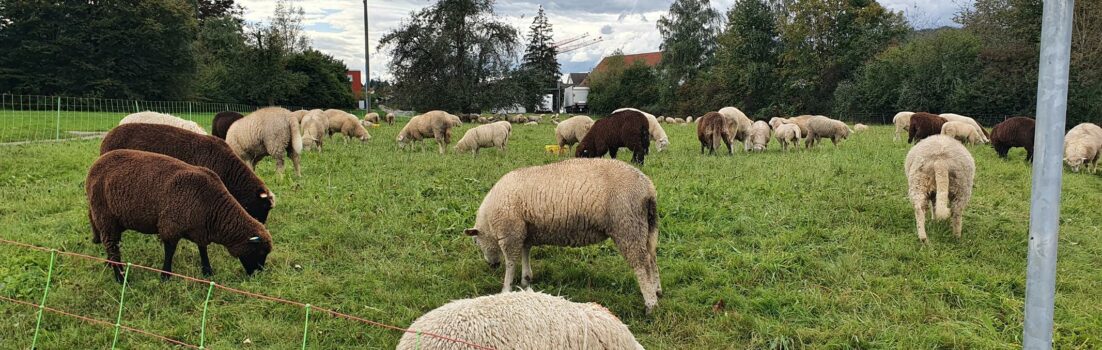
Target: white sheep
x: 519, y: 320
x: 689, y: 119
x: 345, y: 123
x: 1083, y: 146
x: 372, y: 117
x: 801, y: 121
x: 902, y: 121
x: 819, y: 127
x: 963, y: 132
x: 960, y: 118
x: 759, y: 136
x: 518, y: 119
x: 485, y: 136
x: 571, y: 131
x: 577, y: 202
x: 742, y: 124
x: 678, y: 121
x: 657, y: 134
x: 788, y: 133
x: 535, y: 119
x: 149, y: 117
x: 860, y: 128
x: 531, y: 123
x: 314, y: 127
x: 270, y: 131
x: 299, y: 115
x: 940, y: 171
x: 777, y: 121
x: 434, y: 124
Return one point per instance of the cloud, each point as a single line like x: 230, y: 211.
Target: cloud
x: 606, y: 30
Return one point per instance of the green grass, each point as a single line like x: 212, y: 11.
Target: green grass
x: 810, y: 249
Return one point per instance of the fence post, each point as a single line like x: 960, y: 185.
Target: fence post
x: 42, y: 304
x: 203, y: 324
x: 306, y: 327
x: 122, y: 297
x: 57, y: 129
x: 136, y: 108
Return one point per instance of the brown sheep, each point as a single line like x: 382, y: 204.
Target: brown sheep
x: 157, y: 194
x: 713, y: 127
x: 200, y: 150
x: 924, y: 125
x: 626, y: 128
x: 222, y: 122
x: 1014, y: 132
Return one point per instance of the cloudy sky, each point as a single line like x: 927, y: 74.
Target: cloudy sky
x: 336, y: 26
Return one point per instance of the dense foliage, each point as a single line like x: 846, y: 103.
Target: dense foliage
x: 540, y: 66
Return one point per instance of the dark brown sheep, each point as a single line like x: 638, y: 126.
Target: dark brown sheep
x: 222, y: 122
x: 713, y: 127
x: 157, y: 194
x: 200, y: 150
x: 924, y: 125
x: 626, y: 128
x: 1014, y: 132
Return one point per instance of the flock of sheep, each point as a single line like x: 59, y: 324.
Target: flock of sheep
x: 159, y: 174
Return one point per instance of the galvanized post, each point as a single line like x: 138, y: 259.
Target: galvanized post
x: 57, y: 126
x: 367, y: 62
x: 1048, y: 170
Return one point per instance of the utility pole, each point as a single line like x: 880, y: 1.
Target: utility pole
x: 367, y: 62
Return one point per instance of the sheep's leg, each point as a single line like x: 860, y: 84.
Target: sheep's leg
x: 111, y: 244
x: 526, y: 275
x: 279, y: 162
x: 170, y: 252
x: 512, y: 254
x: 295, y: 157
x: 204, y: 261
x: 919, y: 202
x: 957, y: 215
x: 632, y: 243
x: 612, y: 152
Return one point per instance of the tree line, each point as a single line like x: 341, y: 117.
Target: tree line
x: 165, y: 50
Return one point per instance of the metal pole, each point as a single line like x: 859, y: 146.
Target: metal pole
x: 367, y: 62
x: 1048, y: 170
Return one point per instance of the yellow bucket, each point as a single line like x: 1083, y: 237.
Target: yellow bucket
x: 553, y: 149
x: 374, y: 125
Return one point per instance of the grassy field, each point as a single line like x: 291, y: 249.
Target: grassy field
x: 811, y: 249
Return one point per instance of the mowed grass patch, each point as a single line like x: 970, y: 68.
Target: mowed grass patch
x: 804, y: 249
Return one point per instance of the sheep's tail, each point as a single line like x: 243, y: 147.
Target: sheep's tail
x: 296, y: 136
x: 651, y: 206
x: 941, y: 180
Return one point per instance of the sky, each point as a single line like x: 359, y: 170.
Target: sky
x: 336, y: 26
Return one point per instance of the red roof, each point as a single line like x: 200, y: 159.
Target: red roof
x: 650, y: 59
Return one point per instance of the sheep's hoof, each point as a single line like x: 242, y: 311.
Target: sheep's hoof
x: 165, y: 276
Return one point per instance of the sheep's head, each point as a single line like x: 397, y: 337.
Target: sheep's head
x: 490, y: 250
x: 401, y: 141
x: 254, y: 254
x: 662, y: 144
x: 1075, y: 163
x: 264, y: 204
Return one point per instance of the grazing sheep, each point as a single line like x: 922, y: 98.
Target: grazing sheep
x: 601, y: 199
x: 518, y: 119
x: 860, y: 128
x: 801, y: 121
x: 923, y: 125
x: 689, y: 120
x: 819, y: 127
x: 940, y: 172
x: 345, y: 123
x: 902, y: 121
x: 157, y: 194
x: 678, y: 121
x: 759, y: 136
x: 572, y: 131
x: 535, y: 119
x: 222, y: 122
x: 1014, y: 132
x: 950, y: 117
x: 390, y: 118
x: 435, y: 124
x: 657, y: 134
x: 741, y: 123
x: 963, y: 132
x: 299, y: 114
x: 629, y: 129
x: 788, y: 133
x: 372, y: 117
x: 1083, y: 145
x: 662, y: 119
x: 314, y: 126
x: 777, y: 121
x: 148, y: 117
x: 531, y: 123
x: 519, y: 320
x: 200, y: 150
x: 712, y: 128
x: 482, y: 136
x: 270, y: 131
x: 483, y: 120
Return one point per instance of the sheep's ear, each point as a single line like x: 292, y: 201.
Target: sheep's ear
x: 254, y: 240
x: 264, y: 195
x: 471, y: 232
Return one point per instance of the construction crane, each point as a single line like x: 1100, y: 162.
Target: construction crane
x: 576, y: 44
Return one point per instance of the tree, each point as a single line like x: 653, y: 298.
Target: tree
x: 326, y: 84
x: 220, y: 52
x: 455, y: 55
x: 746, y: 61
x: 617, y: 85
x: 540, y: 63
x: 688, y: 43
x: 209, y: 9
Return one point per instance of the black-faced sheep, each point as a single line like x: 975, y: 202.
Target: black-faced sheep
x: 157, y: 194
x: 713, y: 128
x: 519, y: 320
x: 1082, y: 146
x: 1014, y: 132
x: 435, y: 124
x: 819, y: 127
x: 222, y: 122
x: 148, y: 117
x: 270, y: 131
x: 923, y: 125
x: 940, y: 171
x: 200, y: 150
x: 902, y: 121
x: 601, y: 199
x: 624, y: 129
x: 485, y: 136
x: 572, y: 131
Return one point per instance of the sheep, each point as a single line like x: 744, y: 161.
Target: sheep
x: 345, y: 123
x: 148, y: 117
x: 518, y: 119
x: 1082, y: 145
x: 372, y: 117
x: 1013, y: 132
x: 902, y: 121
x: 923, y: 125
x: 572, y: 131
x: 390, y: 118
x: 628, y: 128
x: 777, y: 121
x: 489, y: 135
x: 157, y: 194
x: 314, y: 126
x: 601, y: 199
x: 662, y: 119
x: 483, y: 120
x: 689, y: 120
x: 657, y: 134
x: 531, y: 123
x: 535, y: 119
x: 435, y: 124
x: 678, y: 121
x: 801, y: 121
x: 950, y: 117
x: 200, y: 150
x: 759, y: 136
x: 267, y: 131
x: 963, y: 132
x: 741, y: 123
x: 940, y: 172
x: 519, y: 320
x: 788, y: 133
x: 712, y: 128
x: 822, y: 127
x: 222, y: 122
x: 860, y: 128
x: 299, y: 114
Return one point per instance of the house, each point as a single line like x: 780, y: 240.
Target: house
x: 357, y: 86
x: 650, y: 59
